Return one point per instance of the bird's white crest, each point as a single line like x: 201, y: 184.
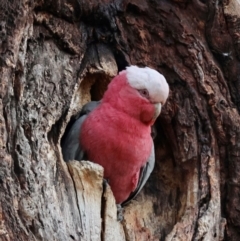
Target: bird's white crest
x: 150, y: 79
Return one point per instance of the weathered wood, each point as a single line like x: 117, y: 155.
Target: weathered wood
x: 96, y: 205
x: 112, y: 229
x: 57, y: 55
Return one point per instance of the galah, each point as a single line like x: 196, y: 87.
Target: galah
x: 116, y: 131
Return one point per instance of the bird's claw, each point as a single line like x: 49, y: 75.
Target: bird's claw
x: 119, y: 213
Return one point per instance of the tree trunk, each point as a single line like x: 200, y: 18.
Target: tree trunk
x: 58, y: 55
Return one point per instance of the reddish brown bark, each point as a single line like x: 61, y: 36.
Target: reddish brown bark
x: 57, y: 55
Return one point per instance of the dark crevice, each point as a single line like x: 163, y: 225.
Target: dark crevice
x: 99, y: 86
x: 72, y: 237
x: 134, y: 9
x: 195, y: 232
x: 5, y: 116
x: 32, y: 227
x: 203, y: 202
x: 54, y: 134
x: 121, y: 61
x: 103, y: 209
x: 163, y: 235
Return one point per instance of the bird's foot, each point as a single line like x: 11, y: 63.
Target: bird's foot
x: 119, y: 213
x: 105, y: 183
x: 119, y: 207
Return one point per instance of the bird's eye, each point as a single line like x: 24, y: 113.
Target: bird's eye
x: 144, y: 93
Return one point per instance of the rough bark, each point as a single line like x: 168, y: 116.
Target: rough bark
x: 57, y: 55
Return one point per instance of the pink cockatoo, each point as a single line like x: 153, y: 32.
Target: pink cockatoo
x: 116, y: 131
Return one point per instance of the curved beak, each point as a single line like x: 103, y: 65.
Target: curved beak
x: 158, y: 108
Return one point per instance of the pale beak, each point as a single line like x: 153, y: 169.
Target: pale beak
x: 158, y: 108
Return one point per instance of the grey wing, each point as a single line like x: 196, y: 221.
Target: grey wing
x: 71, y: 149
x: 90, y: 106
x: 145, y: 172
